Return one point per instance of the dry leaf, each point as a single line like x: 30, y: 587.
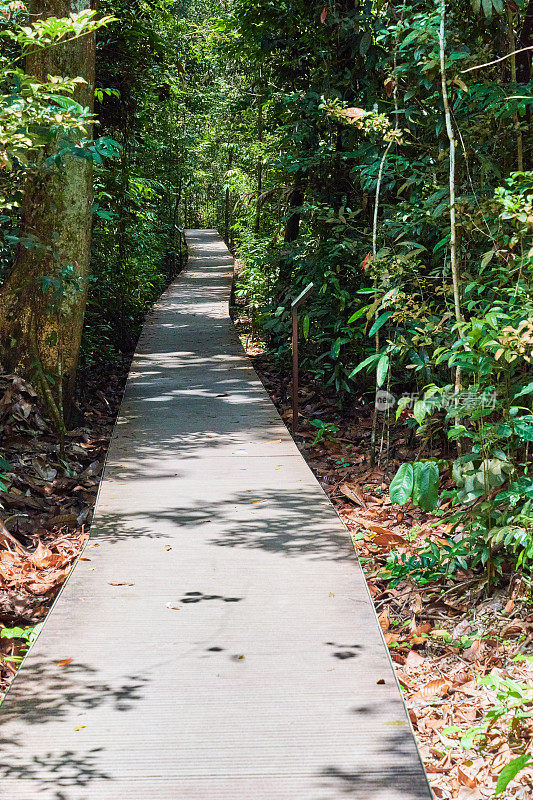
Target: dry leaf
x: 413, y: 660
x: 120, y: 583
x: 436, y: 688
x: 403, y: 680
x: 353, y: 492
x: 474, y: 652
x: 386, y: 538
x: 64, y: 662
x: 465, y: 778
x: 383, y: 619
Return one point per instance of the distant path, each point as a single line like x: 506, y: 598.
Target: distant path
x: 223, y: 643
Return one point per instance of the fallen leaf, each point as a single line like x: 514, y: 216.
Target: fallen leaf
x: 474, y: 652
x: 120, y: 583
x: 64, y: 662
x: 173, y: 606
x: 383, y: 620
x: 416, y: 604
x: 353, y: 492
x: 79, y: 727
x: 413, y: 660
x: 64, y: 521
x: 387, y: 538
x: 403, y: 680
x: 465, y: 778
x: 436, y: 688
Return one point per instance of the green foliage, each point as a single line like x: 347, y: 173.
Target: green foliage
x: 324, y: 430
x: 431, y: 563
x: 513, y: 705
x: 26, y: 636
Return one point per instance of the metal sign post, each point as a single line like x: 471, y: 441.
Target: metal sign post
x: 294, y: 308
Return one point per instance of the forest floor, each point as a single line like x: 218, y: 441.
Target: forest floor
x: 49, y: 490
x: 442, y: 637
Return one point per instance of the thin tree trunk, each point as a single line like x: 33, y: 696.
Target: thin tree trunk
x: 512, y: 48
x: 257, y: 226
x: 40, y: 334
x: 227, y: 202
x: 451, y: 139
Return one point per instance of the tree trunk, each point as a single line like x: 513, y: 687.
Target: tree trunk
x: 40, y: 332
x: 292, y: 226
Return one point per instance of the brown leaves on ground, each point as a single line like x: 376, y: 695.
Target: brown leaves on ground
x: 49, y: 497
x: 442, y: 637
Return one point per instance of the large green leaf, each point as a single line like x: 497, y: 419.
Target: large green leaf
x: 381, y: 320
x: 383, y: 368
x: 425, y: 484
x: 524, y: 430
x: 401, y: 486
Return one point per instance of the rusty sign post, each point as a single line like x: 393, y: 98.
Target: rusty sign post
x: 294, y: 307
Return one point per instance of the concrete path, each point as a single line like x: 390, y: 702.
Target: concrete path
x: 223, y: 643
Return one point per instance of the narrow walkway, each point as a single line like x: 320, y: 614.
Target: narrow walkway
x: 223, y: 643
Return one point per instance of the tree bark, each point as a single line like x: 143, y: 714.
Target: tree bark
x: 40, y: 332
x: 292, y: 226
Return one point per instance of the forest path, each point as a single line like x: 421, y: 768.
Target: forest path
x: 223, y: 642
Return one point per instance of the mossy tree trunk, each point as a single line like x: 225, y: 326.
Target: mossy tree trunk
x: 40, y: 331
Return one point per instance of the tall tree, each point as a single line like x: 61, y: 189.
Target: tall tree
x: 42, y: 301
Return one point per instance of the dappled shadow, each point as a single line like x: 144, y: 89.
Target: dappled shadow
x: 48, y: 694
x: 290, y: 522
x: 55, y: 770
x: 51, y: 692
x: 395, y: 769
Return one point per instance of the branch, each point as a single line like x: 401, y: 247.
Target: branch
x: 497, y: 60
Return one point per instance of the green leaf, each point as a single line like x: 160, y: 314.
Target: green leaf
x: 383, y: 368
x: 305, y: 326
x: 381, y: 320
x: 366, y: 41
x: 526, y: 390
x: 420, y: 411
x: 357, y: 314
x: 401, y: 486
x: 487, y: 257
x: 15, y: 633
x: 365, y: 363
x: 510, y: 771
x: 487, y: 8
x: 425, y: 484
x: 402, y: 403
x: 524, y: 430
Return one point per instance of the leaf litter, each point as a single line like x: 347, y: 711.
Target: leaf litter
x: 47, y: 495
